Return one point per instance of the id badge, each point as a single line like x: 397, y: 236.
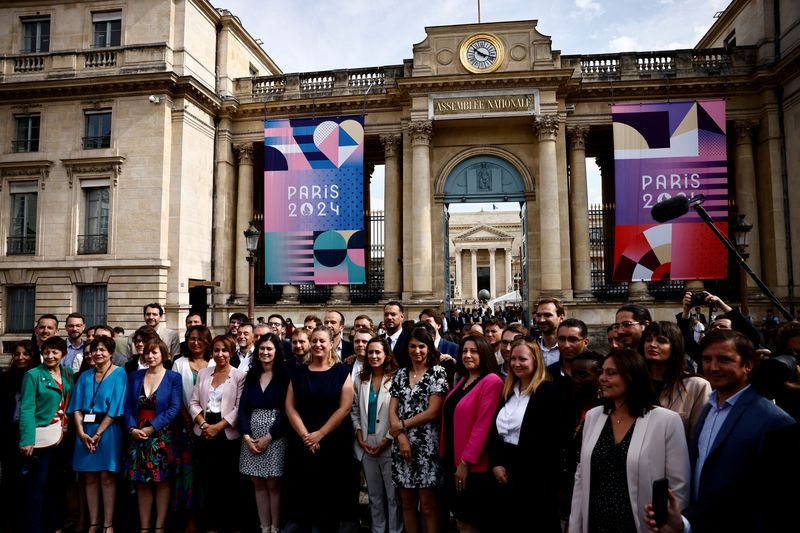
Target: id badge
x: 89, y: 418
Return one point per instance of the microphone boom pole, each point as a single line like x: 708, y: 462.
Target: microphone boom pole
x: 740, y: 260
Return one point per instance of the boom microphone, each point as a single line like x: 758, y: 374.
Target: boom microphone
x: 674, y: 207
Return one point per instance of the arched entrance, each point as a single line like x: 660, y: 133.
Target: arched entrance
x: 488, y: 179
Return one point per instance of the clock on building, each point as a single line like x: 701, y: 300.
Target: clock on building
x: 482, y: 53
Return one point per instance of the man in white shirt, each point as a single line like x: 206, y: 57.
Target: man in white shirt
x: 245, y: 338
x: 334, y: 321
x: 360, y: 340
x: 549, y: 314
x: 393, y: 317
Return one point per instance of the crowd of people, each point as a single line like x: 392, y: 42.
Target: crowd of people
x: 481, y: 425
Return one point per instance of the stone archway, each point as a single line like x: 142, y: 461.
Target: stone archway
x: 485, y: 175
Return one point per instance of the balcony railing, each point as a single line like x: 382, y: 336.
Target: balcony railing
x: 25, y: 245
x: 332, y: 82
x: 95, y: 143
x: 19, y: 147
x: 29, y: 64
x: 100, y: 58
x: 92, y: 244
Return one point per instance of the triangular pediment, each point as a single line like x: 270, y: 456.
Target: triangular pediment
x: 482, y: 233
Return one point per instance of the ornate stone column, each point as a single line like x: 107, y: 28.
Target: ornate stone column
x: 579, y: 212
x: 474, y: 273
x: 224, y: 214
x: 746, y: 202
x: 492, y: 273
x: 549, y: 226
x: 392, y: 223
x: 422, y: 279
x: 459, y: 289
x: 244, y: 214
x: 509, y: 280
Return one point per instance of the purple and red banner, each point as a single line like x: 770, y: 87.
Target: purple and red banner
x: 314, y: 201
x: 662, y: 150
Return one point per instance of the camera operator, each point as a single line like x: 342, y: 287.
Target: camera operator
x: 778, y: 377
x: 731, y: 318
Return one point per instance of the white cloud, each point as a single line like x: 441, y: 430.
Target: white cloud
x: 589, y: 5
x: 624, y: 43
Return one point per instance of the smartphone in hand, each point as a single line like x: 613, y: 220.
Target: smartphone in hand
x: 660, y: 500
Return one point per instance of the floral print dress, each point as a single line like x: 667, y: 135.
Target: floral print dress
x: 152, y: 460
x: 424, y: 469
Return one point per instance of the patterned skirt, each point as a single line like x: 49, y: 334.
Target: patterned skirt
x: 268, y: 463
x: 152, y: 460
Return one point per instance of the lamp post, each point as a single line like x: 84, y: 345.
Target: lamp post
x: 252, y: 235
x: 741, y: 235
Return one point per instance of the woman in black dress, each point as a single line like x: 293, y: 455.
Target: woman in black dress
x: 320, y: 450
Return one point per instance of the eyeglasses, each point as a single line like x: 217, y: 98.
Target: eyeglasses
x: 506, y: 342
x: 196, y: 339
x: 571, y: 340
x: 627, y: 324
x: 275, y: 324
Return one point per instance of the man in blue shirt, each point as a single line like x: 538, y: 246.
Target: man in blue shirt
x: 732, y: 486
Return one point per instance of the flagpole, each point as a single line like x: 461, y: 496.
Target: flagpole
x: 479, y: 11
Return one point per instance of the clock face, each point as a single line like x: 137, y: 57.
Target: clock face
x: 482, y: 53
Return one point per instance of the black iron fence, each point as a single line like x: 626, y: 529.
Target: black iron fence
x: 370, y: 292
x: 24, y: 245
x: 92, y: 244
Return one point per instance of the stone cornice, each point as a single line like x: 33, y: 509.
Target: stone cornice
x: 92, y: 166
x: 39, y: 169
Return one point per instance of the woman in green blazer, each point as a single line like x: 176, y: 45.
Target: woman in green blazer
x: 44, y: 399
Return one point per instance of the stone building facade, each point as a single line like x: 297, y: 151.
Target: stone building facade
x: 452, y: 123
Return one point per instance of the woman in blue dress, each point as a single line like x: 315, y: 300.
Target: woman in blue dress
x: 98, y: 399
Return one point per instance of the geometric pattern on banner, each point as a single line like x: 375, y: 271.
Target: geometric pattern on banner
x: 339, y: 257
x: 662, y: 150
x: 314, y: 196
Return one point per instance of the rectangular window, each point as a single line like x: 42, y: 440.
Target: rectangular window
x: 98, y: 130
x: 26, y: 138
x: 94, y: 239
x: 106, y: 29
x: 92, y: 302
x: 20, y: 308
x: 35, y: 35
x: 22, y: 227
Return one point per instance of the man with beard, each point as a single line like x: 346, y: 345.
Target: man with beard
x: 393, y: 317
x: 74, y: 325
x: 549, y: 314
x: 630, y: 322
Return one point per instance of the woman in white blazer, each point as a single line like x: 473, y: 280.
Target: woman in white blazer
x: 628, y: 442
x: 373, y: 445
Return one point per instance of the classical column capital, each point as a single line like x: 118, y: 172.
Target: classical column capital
x: 245, y: 151
x: 546, y: 126
x: 391, y: 144
x: 744, y: 130
x: 420, y: 132
x: 577, y: 136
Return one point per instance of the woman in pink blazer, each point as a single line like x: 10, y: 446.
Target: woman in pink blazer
x: 215, y: 410
x: 467, y: 418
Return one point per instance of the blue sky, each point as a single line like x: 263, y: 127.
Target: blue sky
x: 310, y: 35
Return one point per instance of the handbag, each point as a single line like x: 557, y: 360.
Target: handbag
x: 49, y: 436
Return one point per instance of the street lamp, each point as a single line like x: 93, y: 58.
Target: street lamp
x: 251, y: 236
x: 741, y: 235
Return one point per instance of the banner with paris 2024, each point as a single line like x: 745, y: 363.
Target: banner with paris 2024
x: 314, y: 201
x: 662, y: 150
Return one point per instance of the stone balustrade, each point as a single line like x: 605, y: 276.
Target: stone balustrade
x: 138, y: 58
x: 312, y: 84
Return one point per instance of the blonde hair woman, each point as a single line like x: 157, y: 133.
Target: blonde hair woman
x: 320, y: 449
x: 529, y: 432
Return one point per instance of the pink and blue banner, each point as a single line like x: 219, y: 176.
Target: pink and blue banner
x: 662, y: 150
x: 314, y: 201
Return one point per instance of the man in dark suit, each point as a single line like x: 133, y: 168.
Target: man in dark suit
x: 334, y: 321
x: 393, y: 317
x: 732, y: 488
x: 434, y: 318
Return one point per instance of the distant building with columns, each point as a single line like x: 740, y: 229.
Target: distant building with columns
x: 132, y: 160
